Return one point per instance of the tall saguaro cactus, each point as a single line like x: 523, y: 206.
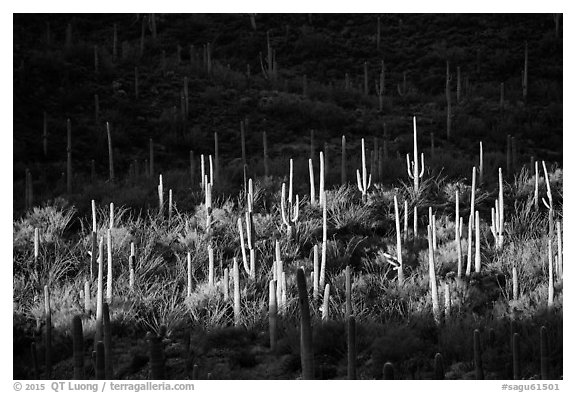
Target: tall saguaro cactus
x: 272, y: 314
x: 478, y: 355
x: 398, y: 243
x: 110, y: 154
x: 351, y: 347
x: 306, y: 351
x: 48, y: 332
x: 415, y: 169
x: 69, y: 157
x: 433, y: 285
x: 525, y: 73
x: 448, y: 102
x: 343, y: 177
x: 78, y: 347
x: 364, y: 181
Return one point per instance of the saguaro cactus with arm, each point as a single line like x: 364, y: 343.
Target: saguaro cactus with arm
x: 364, y: 181
x: 415, y: 169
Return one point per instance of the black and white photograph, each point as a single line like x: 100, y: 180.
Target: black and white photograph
x: 287, y: 196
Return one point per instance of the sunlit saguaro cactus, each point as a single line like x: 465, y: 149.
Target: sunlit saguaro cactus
x: 399, y: 266
x: 548, y: 203
x: 550, y: 277
x: 312, y: 185
x: 364, y: 181
x: 321, y: 194
x: 415, y: 168
x: 433, y: 285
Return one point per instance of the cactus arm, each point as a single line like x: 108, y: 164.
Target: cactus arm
x: 359, y: 182
x: 422, y: 163
x: 408, y: 166
x: 283, y: 205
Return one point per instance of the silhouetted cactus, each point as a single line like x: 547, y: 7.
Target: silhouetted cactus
x: 48, y: 333
x: 388, y: 372
x: 272, y: 314
x: 306, y: 350
x: 478, y: 356
x: 348, y: 292
x: 156, y: 353
x: 544, y: 355
x: 34, y: 355
x: 78, y: 347
x: 351, y: 347
x: 99, y: 361
x: 109, y: 371
x: 438, y: 366
x: 516, y: 355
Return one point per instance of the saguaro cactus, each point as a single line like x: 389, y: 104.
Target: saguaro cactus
x: 415, y: 169
x: 272, y: 314
x: 290, y: 213
x: 351, y: 347
x: 78, y: 347
x: 312, y: 185
x: 477, y: 261
x: 550, y: 277
x: 364, y: 181
x: 99, y: 361
x: 69, y: 157
x: 457, y: 235
x: 265, y: 147
x: 438, y: 366
x: 326, y: 303
x: 400, y: 266
x: 548, y: 203
x: 433, y: 285
x: 448, y: 102
x: 321, y: 178
x: 388, y: 372
x: 516, y: 356
x: 100, y: 292
x: 48, y: 332
x: 525, y: 73
x: 236, y: 277
x: 45, y: 134
x: 109, y: 274
x: 324, y: 246
x: 156, y: 353
x: 478, y: 355
x: 343, y: 177
x: 380, y: 86
x: 315, y: 274
x: 544, y: 355
x: 109, y: 371
x: 348, y: 291
x: 306, y: 351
